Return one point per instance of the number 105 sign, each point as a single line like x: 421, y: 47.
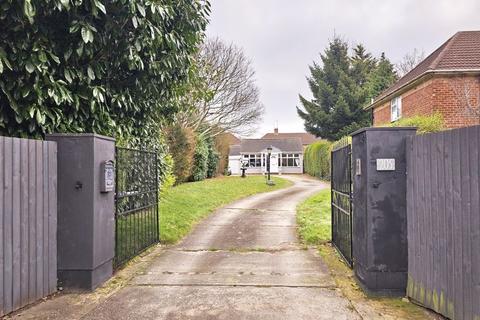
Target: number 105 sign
x: 385, y: 164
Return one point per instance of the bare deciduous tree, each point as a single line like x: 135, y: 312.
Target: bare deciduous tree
x: 467, y: 94
x: 224, y: 96
x: 409, y: 61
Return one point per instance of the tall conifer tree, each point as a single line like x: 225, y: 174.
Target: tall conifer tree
x: 341, y: 86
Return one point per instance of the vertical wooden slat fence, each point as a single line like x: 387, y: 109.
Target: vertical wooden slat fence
x: 443, y: 176
x: 28, y: 221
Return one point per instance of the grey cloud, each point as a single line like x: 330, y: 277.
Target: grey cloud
x: 283, y: 37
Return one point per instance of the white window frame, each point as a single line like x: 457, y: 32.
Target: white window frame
x: 257, y: 160
x: 293, y: 157
x: 396, y: 108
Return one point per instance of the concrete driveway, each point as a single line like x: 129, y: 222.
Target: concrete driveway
x: 243, y: 262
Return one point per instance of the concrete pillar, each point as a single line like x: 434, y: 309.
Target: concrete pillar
x: 86, y: 224
x: 379, y: 208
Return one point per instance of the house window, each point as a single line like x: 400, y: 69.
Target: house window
x: 396, y: 108
x: 253, y: 160
x: 289, y: 160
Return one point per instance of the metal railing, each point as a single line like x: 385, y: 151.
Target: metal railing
x: 341, y: 182
x: 136, y: 203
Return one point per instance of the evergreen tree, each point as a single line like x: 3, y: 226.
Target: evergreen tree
x: 341, y: 87
x: 382, y: 77
x: 362, y: 65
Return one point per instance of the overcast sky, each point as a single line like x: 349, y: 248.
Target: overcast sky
x: 283, y: 37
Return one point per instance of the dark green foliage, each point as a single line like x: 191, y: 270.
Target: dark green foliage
x: 317, y: 159
x: 110, y: 67
x: 382, y: 77
x: 182, y: 144
x: 200, y: 160
x: 205, y: 159
x: 341, y: 87
x: 213, y: 159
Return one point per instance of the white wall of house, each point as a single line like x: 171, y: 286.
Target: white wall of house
x: 234, y: 164
x: 294, y: 165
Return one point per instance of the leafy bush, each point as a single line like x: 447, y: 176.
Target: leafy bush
x: 317, y: 159
x: 110, y: 67
x: 181, y: 143
x: 424, y: 124
x: 167, y: 176
x: 200, y: 160
x: 213, y: 159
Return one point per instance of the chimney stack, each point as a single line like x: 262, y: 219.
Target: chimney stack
x: 275, y: 129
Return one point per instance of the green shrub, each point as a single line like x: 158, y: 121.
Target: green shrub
x: 110, y: 67
x: 181, y: 143
x: 424, y: 124
x: 200, y: 160
x: 167, y: 176
x: 317, y: 159
x: 213, y: 160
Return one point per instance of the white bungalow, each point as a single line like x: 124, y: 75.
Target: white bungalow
x: 286, y: 156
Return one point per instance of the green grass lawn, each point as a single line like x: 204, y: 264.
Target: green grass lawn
x: 314, y: 218
x: 185, y: 205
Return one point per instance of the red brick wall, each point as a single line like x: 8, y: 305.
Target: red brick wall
x: 457, y: 98
x: 446, y: 95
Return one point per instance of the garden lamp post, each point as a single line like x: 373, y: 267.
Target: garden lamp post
x: 269, y: 153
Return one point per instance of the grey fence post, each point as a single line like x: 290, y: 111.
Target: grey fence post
x: 86, y: 225
x: 379, y: 208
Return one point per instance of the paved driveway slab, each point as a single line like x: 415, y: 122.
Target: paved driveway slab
x: 224, y: 302
x: 242, y: 262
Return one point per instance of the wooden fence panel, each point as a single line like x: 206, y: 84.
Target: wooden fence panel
x: 28, y: 221
x: 443, y: 217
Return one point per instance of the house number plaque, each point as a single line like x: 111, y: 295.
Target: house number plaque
x: 385, y: 164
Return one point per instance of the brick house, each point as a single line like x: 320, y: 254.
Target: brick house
x: 446, y: 82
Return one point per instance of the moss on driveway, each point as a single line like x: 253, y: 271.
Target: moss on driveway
x: 183, y: 206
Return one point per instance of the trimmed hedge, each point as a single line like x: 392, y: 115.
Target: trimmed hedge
x: 424, y: 124
x: 317, y: 159
x: 317, y: 155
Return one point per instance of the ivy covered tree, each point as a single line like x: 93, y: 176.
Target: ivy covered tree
x: 111, y: 67
x: 341, y: 86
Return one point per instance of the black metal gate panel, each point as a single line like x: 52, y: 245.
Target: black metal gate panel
x: 136, y: 201
x: 341, y: 167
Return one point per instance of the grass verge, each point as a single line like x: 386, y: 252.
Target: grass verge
x: 369, y: 307
x: 185, y: 205
x: 314, y: 228
x: 314, y: 219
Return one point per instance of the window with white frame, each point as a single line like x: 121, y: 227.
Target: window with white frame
x: 289, y: 160
x: 253, y: 160
x: 396, y: 108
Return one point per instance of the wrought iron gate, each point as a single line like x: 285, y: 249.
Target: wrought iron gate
x: 136, y: 201
x: 342, y: 200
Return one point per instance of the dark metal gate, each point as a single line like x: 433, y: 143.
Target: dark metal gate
x: 342, y: 200
x: 136, y: 201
